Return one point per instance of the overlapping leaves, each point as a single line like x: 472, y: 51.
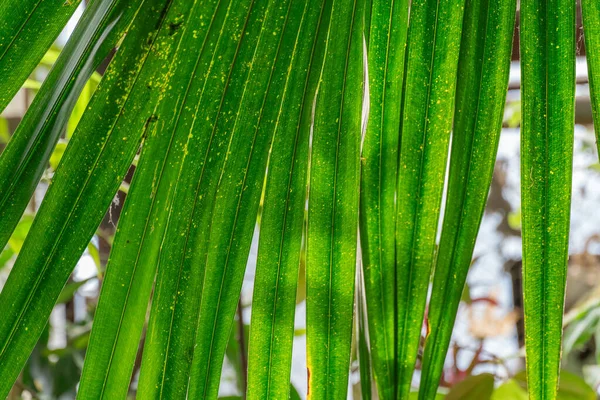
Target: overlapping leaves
x: 232, y: 98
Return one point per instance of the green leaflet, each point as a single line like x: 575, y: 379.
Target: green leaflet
x: 483, y: 67
x: 387, y: 41
x: 590, y: 10
x: 123, y: 302
x: 275, y: 285
x: 333, y: 202
x: 168, y: 351
x: 27, y: 29
x: 269, y: 43
x: 432, y: 58
x: 547, y: 92
x: 26, y: 157
x: 89, y: 174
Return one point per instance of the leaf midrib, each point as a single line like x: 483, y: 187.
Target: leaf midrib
x: 379, y: 208
x: 545, y: 195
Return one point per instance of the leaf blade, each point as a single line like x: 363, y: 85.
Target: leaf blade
x: 90, y: 173
x: 591, y: 27
x: 386, y: 56
x: 26, y: 156
x: 484, y: 65
x: 271, y: 34
x: 168, y: 357
x: 432, y: 60
x: 281, y: 225
x: 333, y: 203
x: 27, y: 30
x: 548, y: 89
x: 132, y: 266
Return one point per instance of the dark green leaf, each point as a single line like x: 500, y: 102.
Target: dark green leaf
x: 169, y: 347
x: 590, y: 10
x: 251, y: 112
x: 5, y: 256
x: 26, y: 157
x: 131, y: 269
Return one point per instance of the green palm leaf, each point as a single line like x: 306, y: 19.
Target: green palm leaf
x: 168, y: 352
x: 121, y: 313
x: 433, y: 48
x: 274, y: 299
x: 28, y: 152
x: 483, y: 68
x: 548, y: 89
x: 271, y: 37
x: 27, y: 29
x: 386, y: 52
x: 231, y: 100
x: 89, y: 175
x: 333, y: 203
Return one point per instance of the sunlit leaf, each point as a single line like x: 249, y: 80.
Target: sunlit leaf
x: 169, y: 347
x: 482, y: 81
x: 386, y: 56
x: 281, y: 224
x: 432, y: 61
x: 333, y: 203
x: 547, y: 91
x: 26, y: 157
x: 131, y: 269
